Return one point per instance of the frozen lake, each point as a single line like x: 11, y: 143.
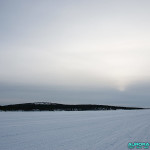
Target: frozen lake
x: 76, y: 130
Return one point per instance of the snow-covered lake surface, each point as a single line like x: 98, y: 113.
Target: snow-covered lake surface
x: 77, y: 130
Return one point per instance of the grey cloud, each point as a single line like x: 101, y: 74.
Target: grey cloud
x: 137, y: 95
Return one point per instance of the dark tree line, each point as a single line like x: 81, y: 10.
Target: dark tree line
x: 60, y: 107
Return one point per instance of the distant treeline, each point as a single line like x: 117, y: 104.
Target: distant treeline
x: 42, y: 106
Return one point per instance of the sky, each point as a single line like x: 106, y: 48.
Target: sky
x: 75, y: 51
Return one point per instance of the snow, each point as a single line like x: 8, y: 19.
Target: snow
x: 73, y: 130
x: 44, y: 103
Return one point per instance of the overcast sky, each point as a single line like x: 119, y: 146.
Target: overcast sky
x: 75, y: 51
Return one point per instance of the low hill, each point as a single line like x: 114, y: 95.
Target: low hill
x: 46, y: 106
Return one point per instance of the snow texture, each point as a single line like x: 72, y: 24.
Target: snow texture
x: 74, y: 130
